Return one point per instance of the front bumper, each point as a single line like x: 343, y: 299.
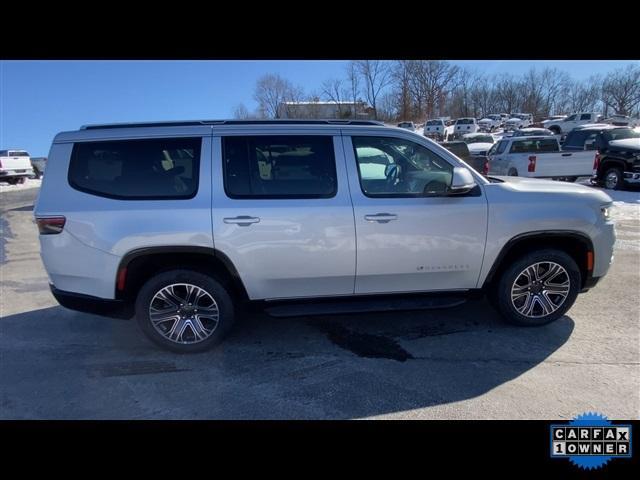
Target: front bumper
x: 632, y: 178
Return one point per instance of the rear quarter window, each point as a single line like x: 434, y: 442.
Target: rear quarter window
x: 137, y: 169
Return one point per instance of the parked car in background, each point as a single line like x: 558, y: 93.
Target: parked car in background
x: 464, y: 125
x: 504, y: 117
x: 15, y: 166
x: 574, y: 120
x: 478, y: 143
x: 531, y: 132
x: 617, y: 158
x: 539, y: 157
x: 621, y: 121
x: 38, y: 164
x: 408, y: 126
x: 435, y: 129
x: 518, y: 120
x: 490, y: 123
x: 480, y: 163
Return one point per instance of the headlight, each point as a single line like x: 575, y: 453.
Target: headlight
x: 606, y: 212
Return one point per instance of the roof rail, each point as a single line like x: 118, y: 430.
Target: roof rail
x: 232, y: 122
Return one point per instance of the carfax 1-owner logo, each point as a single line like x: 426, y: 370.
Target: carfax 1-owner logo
x: 590, y: 441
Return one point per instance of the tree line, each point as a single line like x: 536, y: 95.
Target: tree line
x: 420, y: 89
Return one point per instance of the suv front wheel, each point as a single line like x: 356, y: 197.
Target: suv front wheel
x: 184, y: 311
x: 538, y: 288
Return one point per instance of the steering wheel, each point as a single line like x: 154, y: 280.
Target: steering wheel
x: 392, y: 172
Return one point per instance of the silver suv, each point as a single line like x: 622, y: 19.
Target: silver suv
x: 183, y: 224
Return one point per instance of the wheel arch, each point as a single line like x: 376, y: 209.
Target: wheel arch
x: 138, y: 265
x: 608, y: 162
x: 576, y: 244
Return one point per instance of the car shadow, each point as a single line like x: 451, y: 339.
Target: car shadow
x: 339, y: 367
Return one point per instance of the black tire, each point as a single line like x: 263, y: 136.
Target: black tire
x: 502, y: 295
x: 555, y: 130
x: 21, y: 180
x: 619, y: 179
x: 210, y: 285
x: 512, y: 173
x: 12, y: 181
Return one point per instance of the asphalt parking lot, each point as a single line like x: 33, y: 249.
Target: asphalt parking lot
x: 460, y: 363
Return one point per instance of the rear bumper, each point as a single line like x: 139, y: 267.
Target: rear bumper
x: 95, y: 305
x: 22, y: 172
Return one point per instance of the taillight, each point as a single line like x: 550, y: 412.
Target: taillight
x: 50, y: 225
x: 596, y: 162
x: 485, y: 167
x: 532, y: 163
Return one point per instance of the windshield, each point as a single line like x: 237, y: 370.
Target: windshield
x: 405, y: 124
x: 479, y: 139
x: 435, y: 122
x: 620, y: 134
x: 464, y: 121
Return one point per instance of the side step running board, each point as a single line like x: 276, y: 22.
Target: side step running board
x: 363, y: 305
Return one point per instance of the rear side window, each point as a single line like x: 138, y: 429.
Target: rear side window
x: 137, y: 169
x: 534, y: 145
x: 502, y: 145
x: 295, y: 166
x: 585, y: 116
x: 576, y: 139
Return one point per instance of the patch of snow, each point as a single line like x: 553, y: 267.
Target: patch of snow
x: 30, y: 183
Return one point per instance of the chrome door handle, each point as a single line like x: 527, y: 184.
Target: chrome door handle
x: 381, y: 217
x: 242, y: 220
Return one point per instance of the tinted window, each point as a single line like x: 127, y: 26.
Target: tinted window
x: 572, y: 117
x: 435, y: 122
x: 137, y: 169
x: 534, y: 145
x: 279, y: 167
x: 576, y: 139
x: 502, y: 145
x: 465, y: 121
x: 585, y: 116
x: 17, y: 153
x: 391, y: 167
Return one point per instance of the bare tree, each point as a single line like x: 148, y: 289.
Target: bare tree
x: 241, y: 112
x: 431, y: 81
x: 333, y: 90
x: 353, y: 85
x: 581, y: 96
x: 621, y: 89
x: 509, y: 93
x: 376, y: 75
x: 272, y: 91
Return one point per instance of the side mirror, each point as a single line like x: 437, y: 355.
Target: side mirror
x: 461, y: 182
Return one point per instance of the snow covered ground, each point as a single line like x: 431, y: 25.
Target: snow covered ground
x: 30, y: 183
x: 626, y: 214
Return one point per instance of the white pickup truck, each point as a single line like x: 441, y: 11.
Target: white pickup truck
x: 540, y: 157
x: 490, y: 122
x: 518, y: 120
x: 15, y: 166
x: 570, y: 122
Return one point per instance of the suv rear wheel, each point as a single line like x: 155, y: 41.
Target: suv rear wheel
x: 184, y: 311
x: 538, y: 288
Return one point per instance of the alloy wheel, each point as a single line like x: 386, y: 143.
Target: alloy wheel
x: 540, y: 289
x: 184, y: 313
